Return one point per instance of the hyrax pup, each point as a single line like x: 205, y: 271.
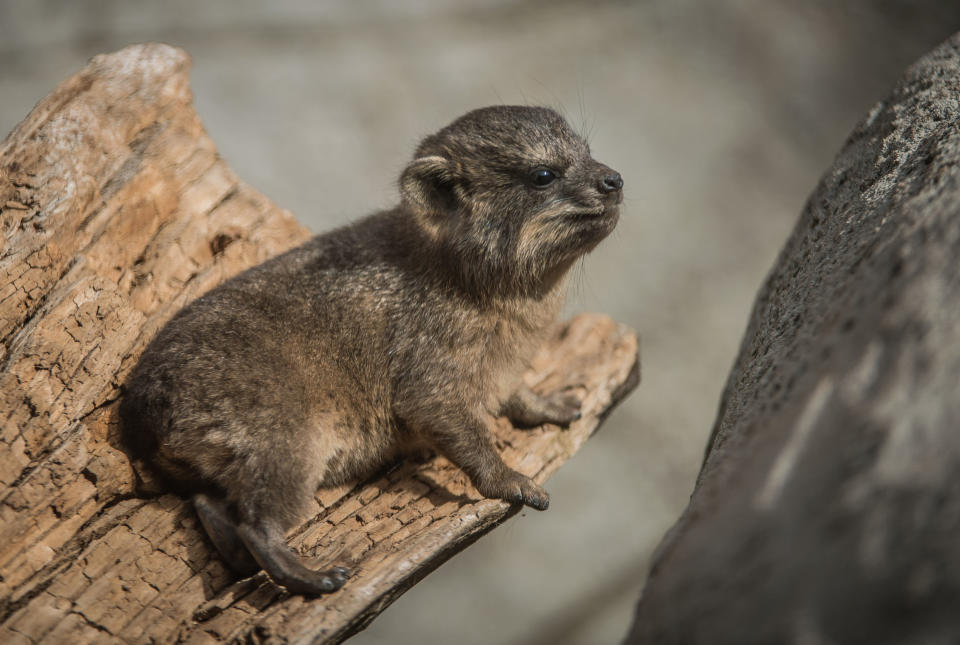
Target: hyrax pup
x: 409, y: 327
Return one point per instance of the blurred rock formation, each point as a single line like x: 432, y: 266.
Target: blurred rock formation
x: 828, y: 506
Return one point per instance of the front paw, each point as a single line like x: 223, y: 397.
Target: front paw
x: 562, y: 409
x: 514, y: 487
x: 526, y: 409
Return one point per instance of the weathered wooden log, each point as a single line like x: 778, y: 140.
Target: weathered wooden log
x: 115, y: 212
x: 828, y: 507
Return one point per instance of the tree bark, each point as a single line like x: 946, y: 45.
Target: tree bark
x: 115, y: 212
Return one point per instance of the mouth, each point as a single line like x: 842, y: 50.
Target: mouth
x: 585, y: 214
x: 572, y: 232
x: 610, y: 212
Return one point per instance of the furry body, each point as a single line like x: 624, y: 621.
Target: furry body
x: 409, y: 327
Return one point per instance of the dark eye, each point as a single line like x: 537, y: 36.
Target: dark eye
x: 543, y: 177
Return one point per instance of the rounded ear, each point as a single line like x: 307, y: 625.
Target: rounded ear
x: 427, y: 186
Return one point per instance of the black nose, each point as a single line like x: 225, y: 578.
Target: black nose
x: 611, y: 183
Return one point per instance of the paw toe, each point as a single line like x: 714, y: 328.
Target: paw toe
x: 537, y: 501
x: 534, y: 496
x: 331, y: 582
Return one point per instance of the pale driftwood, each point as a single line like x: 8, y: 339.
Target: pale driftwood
x: 115, y: 212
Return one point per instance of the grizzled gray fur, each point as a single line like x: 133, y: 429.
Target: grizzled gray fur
x: 408, y: 328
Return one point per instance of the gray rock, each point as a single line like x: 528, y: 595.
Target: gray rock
x: 828, y: 506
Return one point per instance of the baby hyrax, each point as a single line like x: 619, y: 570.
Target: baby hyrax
x: 410, y: 327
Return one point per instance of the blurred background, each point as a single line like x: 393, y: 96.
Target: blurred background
x: 720, y: 115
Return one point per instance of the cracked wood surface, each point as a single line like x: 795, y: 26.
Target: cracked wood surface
x: 116, y: 211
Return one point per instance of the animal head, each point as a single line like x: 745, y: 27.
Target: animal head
x: 513, y: 193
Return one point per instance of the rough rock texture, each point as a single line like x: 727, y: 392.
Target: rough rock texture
x: 828, y: 507
x: 115, y: 210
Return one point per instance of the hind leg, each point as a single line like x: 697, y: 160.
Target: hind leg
x: 270, y: 496
x: 269, y: 480
x: 268, y: 547
x: 223, y: 533
x: 249, y: 547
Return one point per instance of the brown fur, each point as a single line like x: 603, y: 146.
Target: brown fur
x: 412, y: 325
